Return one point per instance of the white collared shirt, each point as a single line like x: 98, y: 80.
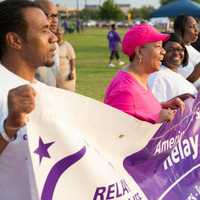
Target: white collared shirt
x: 16, y: 174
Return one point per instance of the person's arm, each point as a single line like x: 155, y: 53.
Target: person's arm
x: 166, y: 115
x: 169, y: 107
x: 9, y: 132
x: 72, y: 64
x: 195, y: 75
x: 21, y: 101
x: 185, y: 96
x: 118, y: 38
x: 173, y: 104
x: 72, y: 61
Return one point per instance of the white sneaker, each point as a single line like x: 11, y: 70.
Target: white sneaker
x: 121, y: 63
x: 111, y: 65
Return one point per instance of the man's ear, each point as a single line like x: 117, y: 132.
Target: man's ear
x: 13, y: 40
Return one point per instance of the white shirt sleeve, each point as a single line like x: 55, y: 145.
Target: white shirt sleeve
x: 158, y: 87
x: 194, y: 55
x: 2, y: 117
x: 164, y: 84
x: 159, y: 90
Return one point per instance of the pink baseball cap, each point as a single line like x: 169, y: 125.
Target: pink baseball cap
x: 139, y: 35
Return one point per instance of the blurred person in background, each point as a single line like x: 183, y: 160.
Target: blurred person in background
x: 128, y: 91
x: 78, y: 25
x: 67, y: 69
x: 114, y: 41
x: 65, y: 25
x: 196, y: 44
x: 167, y: 83
x: 49, y: 74
x: 186, y: 28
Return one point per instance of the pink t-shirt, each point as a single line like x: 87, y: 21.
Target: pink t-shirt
x: 126, y: 94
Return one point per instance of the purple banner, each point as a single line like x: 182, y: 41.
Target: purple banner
x: 168, y: 167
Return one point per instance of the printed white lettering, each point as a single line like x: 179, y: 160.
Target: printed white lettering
x: 184, y: 149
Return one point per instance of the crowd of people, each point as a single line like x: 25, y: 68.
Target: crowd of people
x: 32, y: 47
x: 129, y: 91
x: 163, y: 71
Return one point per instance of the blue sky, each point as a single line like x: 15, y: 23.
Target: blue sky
x: 134, y: 3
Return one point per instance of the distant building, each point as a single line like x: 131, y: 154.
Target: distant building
x: 92, y: 6
x: 124, y: 7
x: 65, y: 12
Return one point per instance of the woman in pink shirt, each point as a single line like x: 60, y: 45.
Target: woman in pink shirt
x: 128, y: 91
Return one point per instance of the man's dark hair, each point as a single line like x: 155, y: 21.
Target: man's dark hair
x: 176, y: 38
x: 12, y: 19
x: 179, y: 25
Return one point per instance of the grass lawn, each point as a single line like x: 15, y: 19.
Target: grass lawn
x: 92, y: 52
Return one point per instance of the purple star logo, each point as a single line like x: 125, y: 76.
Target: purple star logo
x: 42, y: 149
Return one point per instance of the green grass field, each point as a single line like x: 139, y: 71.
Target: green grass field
x: 92, y: 52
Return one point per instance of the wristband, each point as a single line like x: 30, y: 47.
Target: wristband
x: 5, y: 135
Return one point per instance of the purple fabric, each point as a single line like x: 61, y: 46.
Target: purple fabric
x: 169, y: 166
x: 113, y: 39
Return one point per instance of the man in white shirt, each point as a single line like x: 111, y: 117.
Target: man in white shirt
x: 26, y: 43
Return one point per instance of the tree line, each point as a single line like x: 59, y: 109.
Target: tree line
x: 111, y: 11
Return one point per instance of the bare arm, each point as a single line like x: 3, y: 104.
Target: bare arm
x: 167, y: 112
x: 71, y: 75
x: 174, y: 104
x: 11, y: 133
x: 3, y: 144
x: 21, y: 101
x: 195, y: 74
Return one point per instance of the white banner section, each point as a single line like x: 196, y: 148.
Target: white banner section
x: 78, y: 146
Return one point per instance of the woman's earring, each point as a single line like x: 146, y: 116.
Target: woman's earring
x: 140, y: 59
